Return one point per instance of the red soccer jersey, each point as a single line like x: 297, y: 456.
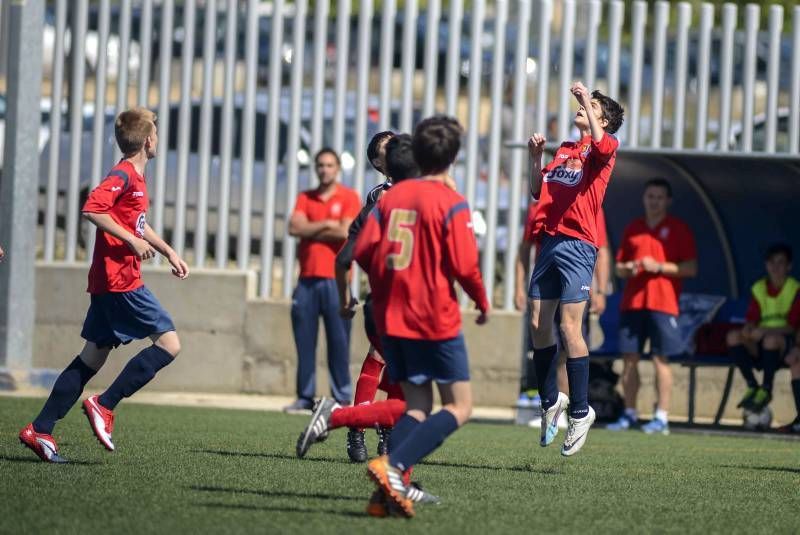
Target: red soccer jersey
x: 573, y: 187
x: 123, y: 196
x: 530, y: 231
x: 317, y: 257
x: 754, y: 309
x: 670, y: 241
x: 416, y: 242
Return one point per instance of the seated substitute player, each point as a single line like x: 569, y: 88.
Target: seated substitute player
x: 417, y: 241
x: 369, y: 379
x: 570, y: 191
x: 122, y: 309
x: 767, y: 339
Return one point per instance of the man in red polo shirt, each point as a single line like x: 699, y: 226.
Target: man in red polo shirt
x: 656, y: 253
x: 321, y: 218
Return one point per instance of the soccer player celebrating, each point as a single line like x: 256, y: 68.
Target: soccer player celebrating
x: 417, y: 241
x: 570, y: 190
x: 122, y: 309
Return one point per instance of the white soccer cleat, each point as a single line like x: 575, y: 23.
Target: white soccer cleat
x: 576, y: 433
x: 550, y: 419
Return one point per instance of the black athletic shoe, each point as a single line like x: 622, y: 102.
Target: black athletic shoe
x: 356, y: 448
x: 384, y: 433
x: 747, y: 400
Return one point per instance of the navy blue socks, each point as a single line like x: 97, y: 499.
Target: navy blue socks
x: 424, y: 439
x: 771, y: 360
x: 137, y: 373
x: 546, y: 362
x: 744, y: 362
x: 796, y: 392
x: 66, y: 391
x: 578, y: 375
x: 404, y: 427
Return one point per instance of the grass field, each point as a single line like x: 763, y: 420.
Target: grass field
x: 185, y: 470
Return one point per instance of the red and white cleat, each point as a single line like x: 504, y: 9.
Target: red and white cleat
x: 101, y: 420
x: 44, y: 446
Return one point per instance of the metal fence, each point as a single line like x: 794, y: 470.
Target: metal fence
x: 247, y: 91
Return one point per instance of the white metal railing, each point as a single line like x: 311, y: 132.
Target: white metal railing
x: 245, y: 95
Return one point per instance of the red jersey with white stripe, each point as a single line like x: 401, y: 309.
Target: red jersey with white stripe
x: 123, y: 196
x: 417, y: 241
x: 573, y: 187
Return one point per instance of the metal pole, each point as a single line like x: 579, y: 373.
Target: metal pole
x: 57, y: 83
x: 703, y: 68
x: 206, y: 127
x: 98, y: 127
x: 794, y: 115
x: 681, y: 67
x: 495, y: 136
x: 409, y: 55
x: 515, y: 168
x: 342, y: 57
x: 473, y: 121
x: 272, y: 141
x: 565, y: 68
x: 661, y: 21
x: 362, y: 92
x: 726, y: 75
x: 146, y: 47
x: 590, y: 57
x: 227, y: 136
x: 18, y: 189
x: 773, y: 66
x: 637, y: 59
x: 318, y: 83
x: 543, y: 70
x: 451, y: 82
x: 76, y: 125
x: 298, y: 55
x: 616, y: 17
x: 165, y: 64
x: 431, y: 56
x: 751, y: 23
x: 122, y: 63
x: 385, y: 67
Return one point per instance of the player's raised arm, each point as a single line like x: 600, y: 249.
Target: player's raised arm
x: 536, y: 149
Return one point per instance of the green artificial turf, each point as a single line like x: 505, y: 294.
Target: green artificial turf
x: 187, y: 470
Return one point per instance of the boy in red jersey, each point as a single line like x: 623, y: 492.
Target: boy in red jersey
x: 417, y: 241
x: 122, y: 309
x: 570, y: 190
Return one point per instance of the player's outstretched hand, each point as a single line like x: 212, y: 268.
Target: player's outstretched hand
x: 581, y: 94
x: 179, y: 267
x: 141, y: 248
x: 536, y: 144
x: 349, y: 311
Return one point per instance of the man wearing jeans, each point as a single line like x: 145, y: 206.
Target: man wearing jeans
x: 320, y: 219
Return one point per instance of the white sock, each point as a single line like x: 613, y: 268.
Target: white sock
x: 631, y: 413
x: 661, y: 414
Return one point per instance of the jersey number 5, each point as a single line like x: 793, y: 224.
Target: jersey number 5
x: 399, y: 232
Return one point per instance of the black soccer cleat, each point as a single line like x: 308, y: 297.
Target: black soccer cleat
x: 384, y: 433
x: 356, y: 447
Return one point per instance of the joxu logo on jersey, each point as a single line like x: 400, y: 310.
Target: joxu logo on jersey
x: 140, y: 223
x: 569, y: 174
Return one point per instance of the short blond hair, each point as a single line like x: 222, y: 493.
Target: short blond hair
x: 132, y: 128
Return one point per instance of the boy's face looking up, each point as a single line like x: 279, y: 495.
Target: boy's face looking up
x: 582, y: 120
x: 778, y: 268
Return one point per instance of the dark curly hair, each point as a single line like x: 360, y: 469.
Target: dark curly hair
x: 612, y: 111
x: 436, y: 143
x: 373, y: 149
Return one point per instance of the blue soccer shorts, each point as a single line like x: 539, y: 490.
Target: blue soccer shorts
x: 638, y: 326
x: 424, y: 361
x: 563, y: 270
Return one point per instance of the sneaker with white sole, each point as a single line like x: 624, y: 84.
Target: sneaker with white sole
x: 317, y: 428
x: 624, y: 423
x: 550, y: 419
x: 576, y: 433
x: 102, y: 421
x: 656, y: 427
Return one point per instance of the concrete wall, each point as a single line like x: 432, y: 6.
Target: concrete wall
x: 233, y: 342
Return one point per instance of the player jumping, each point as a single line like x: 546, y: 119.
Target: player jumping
x: 570, y: 191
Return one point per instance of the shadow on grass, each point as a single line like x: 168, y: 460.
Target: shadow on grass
x: 276, y: 509
x: 20, y: 459
x: 525, y: 468
x: 277, y: 493
x: 788, y: 469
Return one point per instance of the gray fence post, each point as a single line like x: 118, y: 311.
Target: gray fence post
x: 19, y: 184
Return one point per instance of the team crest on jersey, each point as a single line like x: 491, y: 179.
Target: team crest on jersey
x: 585, y: 149
x: 569, y: 173
x: 140, y: 223
x: 336, y: 210
x: 664, y: 233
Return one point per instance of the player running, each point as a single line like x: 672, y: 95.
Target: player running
x: 570, y: 191
x: 417, y: 241
x: 122, y: 309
